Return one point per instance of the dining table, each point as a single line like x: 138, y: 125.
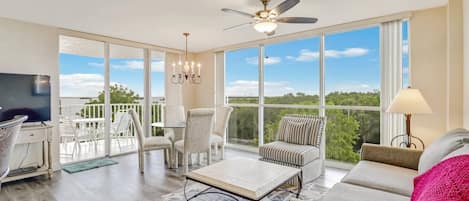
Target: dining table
x: 174, y: 132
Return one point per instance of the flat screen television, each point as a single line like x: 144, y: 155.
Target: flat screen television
x: 22, y: 94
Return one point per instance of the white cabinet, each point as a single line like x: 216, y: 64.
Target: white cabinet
x: 33, y: 144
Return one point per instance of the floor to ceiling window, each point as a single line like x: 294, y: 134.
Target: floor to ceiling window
x: 157, y: 90
x: 405, y: 54
x: 242, y: 91
x: 352, y: 83
x: 291, y: 80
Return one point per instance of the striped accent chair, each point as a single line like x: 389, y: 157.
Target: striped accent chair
x: 300, y: 144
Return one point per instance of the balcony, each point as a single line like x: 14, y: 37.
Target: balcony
x: 82, y: 129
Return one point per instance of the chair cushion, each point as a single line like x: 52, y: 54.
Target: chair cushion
x: 350, y: 192
x: 383, y: 177
x: 441, y: 147
x: 216, y: 139
x: 289, y: 153
x: 156, y: 142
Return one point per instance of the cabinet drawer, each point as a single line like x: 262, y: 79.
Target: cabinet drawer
x: 31, y: 136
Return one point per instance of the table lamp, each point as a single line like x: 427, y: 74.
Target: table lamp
x: 409, y: 101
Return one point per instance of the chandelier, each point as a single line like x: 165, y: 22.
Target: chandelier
x: 185, y: 69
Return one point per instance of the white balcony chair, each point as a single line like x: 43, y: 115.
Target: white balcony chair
x: 217, y: 138
x: 120, y: 127
x: 196, y: 136
x: 9, y: 131
x: 149, y: 143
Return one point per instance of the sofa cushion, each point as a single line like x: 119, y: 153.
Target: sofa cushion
x: 461, y: 151
x: 383, y: 177
x: 289, y: 153
x: 350, y: 192
x: 441, y: 147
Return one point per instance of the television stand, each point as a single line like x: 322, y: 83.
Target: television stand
x: 37, y: 134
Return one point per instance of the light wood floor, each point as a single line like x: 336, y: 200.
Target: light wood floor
x: 121, y: 182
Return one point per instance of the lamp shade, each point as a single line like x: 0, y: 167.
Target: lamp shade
x: 409, y: 101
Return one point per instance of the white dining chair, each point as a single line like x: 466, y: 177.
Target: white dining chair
x: 149, y: 143
x: 217, y: 138
x: 199, y: 127
x: 9, y: 131
x: 173, y: 114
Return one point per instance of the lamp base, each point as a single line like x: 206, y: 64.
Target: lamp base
x: 407, y: 142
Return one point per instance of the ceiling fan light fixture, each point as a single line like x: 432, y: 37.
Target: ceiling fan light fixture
x: 265, y: 26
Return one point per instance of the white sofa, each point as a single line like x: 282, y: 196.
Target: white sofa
x: 387, y: 173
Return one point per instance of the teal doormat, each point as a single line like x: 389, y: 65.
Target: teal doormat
x: 88, y: 165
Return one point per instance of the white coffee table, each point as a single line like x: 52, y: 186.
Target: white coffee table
x: 247, y: 178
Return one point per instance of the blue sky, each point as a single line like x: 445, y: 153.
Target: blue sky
x: 352, y: 64
x: 83, y: 76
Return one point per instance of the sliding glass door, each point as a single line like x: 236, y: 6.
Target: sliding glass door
x: 81, y: 106
x: 99, y: 78
x: 126, y: 67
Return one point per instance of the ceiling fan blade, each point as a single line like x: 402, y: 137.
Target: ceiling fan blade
x: 237, y: 26
x: 304, y: 20
x: 227, y: 10
x: 284, y: 6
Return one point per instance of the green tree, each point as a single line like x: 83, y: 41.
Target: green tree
x: 341, y: 136
x: 119, y: 94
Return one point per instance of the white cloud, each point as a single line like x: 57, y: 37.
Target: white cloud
x: 405, y: 47
x: 308, y: 55
x: 305, y: 55
x: 250, y: 88
x: 267, y: 61
x: 156, y: 66
x: 81, y: 85
x: 94, y: 64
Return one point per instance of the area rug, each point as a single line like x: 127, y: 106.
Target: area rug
x: 88, y: 165
x: 310, y: 192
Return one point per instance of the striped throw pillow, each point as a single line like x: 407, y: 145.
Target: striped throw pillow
x: 297, y: 131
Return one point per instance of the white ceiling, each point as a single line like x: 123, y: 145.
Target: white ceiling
x: 161, y: 22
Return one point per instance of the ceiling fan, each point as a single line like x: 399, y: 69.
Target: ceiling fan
x: 265, y: 21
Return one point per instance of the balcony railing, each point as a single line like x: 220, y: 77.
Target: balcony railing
x: 96, y: 111
x: 347, y: 126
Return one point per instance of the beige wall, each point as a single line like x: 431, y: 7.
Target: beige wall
x: 437, y: 68
x: 205, y: 92
x: 33, y: 49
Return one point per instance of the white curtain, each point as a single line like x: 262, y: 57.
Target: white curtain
x: 391, y: 78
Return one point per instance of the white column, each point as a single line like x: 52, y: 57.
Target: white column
x: 147, y: 100
x: 107, y: 101
x: 391, y: 78
x: 260, y: 122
